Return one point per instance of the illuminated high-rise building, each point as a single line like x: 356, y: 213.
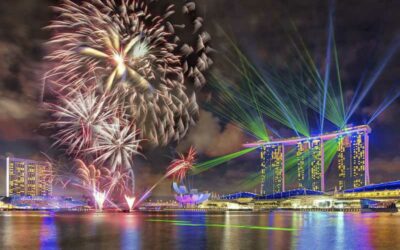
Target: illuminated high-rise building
x: 263, y: 166
x: 272, y: 163
x: 352, y: 159
x: 358, y: 161
x: 26, y: 177
x: 341, y: 161
x: 317, y: 165
x: 310, y: 166
x: 302, y: 168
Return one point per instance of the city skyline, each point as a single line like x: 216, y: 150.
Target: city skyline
x: 383, y: 157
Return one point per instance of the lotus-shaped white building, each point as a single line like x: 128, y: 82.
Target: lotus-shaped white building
x: 185, y: 197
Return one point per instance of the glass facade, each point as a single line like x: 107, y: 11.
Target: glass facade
x: 316, y: 168
x: 272, y: 164
x: 301, y: 165
x: 352, y: 160
x: 358, y: 159
x: 309, y: 156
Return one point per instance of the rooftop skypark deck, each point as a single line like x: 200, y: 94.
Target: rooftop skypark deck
x: 323, y: 137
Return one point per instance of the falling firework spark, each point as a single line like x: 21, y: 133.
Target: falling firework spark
x: 128, y: 46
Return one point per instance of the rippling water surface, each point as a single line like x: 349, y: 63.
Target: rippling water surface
x: 194, y: 230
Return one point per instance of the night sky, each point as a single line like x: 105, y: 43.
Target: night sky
x: 364, y: 31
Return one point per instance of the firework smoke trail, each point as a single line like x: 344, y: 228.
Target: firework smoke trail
x: 177, y: 170
x: 131, y: 47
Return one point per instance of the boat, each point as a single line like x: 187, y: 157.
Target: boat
x: 372, y: 206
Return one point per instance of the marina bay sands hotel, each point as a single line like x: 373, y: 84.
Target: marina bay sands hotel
x: 350, y: 146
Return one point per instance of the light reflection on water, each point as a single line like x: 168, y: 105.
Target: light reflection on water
x: 191, y: 235
x: 130, y: 236
x: 48, y: 233
x: 188, y: 230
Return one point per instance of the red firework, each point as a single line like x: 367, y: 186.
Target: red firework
x: 179, y: 167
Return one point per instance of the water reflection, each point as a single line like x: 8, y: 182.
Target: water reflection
x: 188, y: 230
x: 339, y: 240
x: 130, y: 236
x: 336, y: 230
x: 7, y: 230
x: 227, y: 236
x: 193, y: 236
x: 48, y: 233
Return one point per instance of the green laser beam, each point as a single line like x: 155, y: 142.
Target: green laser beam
x: 261, y: 93
x: 171, y: 221
x: 237, y: 226
x: 203, y: 166
x: 188, y: 223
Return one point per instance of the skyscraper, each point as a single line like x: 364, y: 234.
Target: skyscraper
x: 317, y: 165
x: 352, y: 158
x: 302, y: 166
x: 26, y: 177
x: 272, y: 164
x: 358, y: 163
x: 341, y: 161
x: 310, y: 157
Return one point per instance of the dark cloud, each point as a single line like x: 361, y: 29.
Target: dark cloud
x: 21, y: 50
x: 385, y: 169
x: 209, y: 137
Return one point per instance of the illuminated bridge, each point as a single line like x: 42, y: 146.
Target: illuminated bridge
x: 350, y: 146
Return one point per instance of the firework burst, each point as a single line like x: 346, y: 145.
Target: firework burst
x: 176, y: 170
x: 179, y: 167
x: 76, y: 118
x: 135, y: 48
x: 117, y: 143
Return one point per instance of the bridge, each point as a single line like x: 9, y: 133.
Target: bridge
x: 351, y: 145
